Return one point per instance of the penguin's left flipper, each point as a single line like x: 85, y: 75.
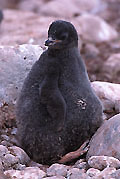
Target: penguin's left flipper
x: 51, y: 96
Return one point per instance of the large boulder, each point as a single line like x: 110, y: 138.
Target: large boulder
x: 94, y: 29
x: 106, y: 141
x: 109, y: 93
x: 15, y: 63
x: 101, y: 162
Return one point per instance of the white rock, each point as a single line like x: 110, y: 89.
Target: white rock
x: 106, y: 90
x: 92, y: 172
x: 57, y: 169
x: 9, y: 160
x: 55, y: 177
x: 106, y: 173
x: 15, y: 63
x: 76, y: 173
x: 101, y: 162
x: 95, y: 30
x: 109, y: 93
x: 3, y: 151
x: 20, y: 154
x: 105, y: 142
x: 28, y: 173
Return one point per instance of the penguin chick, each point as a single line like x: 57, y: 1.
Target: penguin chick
x: 57, y: 110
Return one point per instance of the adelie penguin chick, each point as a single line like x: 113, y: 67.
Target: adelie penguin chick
x: 57, y: 110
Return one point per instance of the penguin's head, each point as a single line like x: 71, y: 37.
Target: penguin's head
x: 61, y: 34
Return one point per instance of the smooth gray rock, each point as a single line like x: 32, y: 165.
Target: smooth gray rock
x: 92, y: 172
x: 20, y: 154
x: 102, y: 32
x: 58, y: 170
x: 15, y: 63
x: 28, y: 172
x: 101, y: 162
x: 106, y: 173
x: 109, y: 93
x: 106, y: 141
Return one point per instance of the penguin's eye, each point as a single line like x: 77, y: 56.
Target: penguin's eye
x: 64, y: 36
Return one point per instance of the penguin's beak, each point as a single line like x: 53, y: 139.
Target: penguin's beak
x: 50, y: 42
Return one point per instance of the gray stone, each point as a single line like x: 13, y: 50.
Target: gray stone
x: 58, y: 170
x: 12, y: 157
x: 102, y: 32
x: 20, y: 154
x: 106, y: 140
x: 9, y: 160
x: 15, y: 63
x: 81, y: 164
x: 109, y: 93
x: 55, y: 177
x: 3, y: 151
x: 101, y: 162
x: 27, y: 173
x: 92, y: 172
x: 105, y: 174
x: 76, y: 173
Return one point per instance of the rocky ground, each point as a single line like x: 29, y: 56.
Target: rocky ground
x: 22, y: 34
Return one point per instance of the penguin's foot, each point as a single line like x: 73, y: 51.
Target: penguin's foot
x: 74, y: 155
